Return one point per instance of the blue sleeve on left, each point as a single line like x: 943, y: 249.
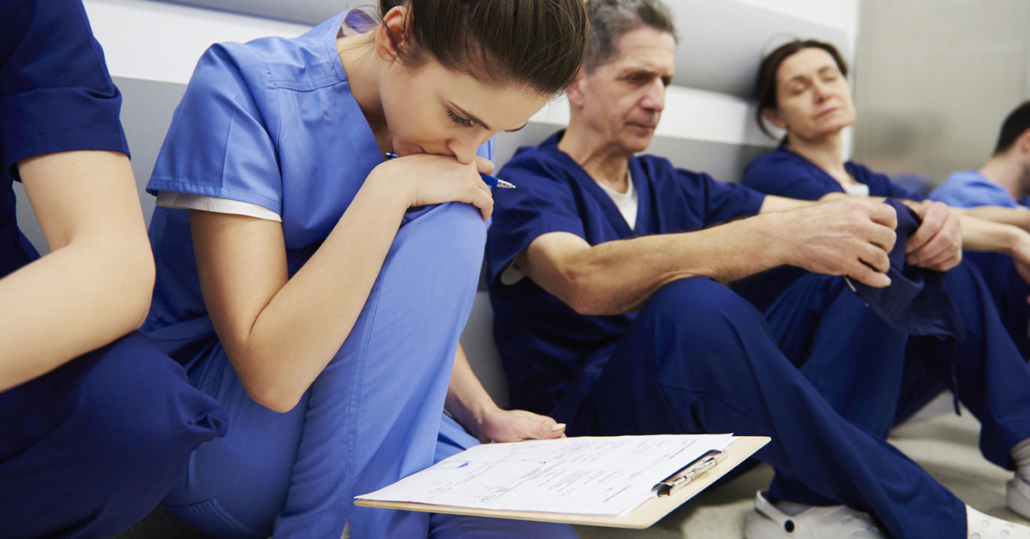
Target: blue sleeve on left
x: 55, y: 92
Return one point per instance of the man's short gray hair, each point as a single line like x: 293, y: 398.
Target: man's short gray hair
x: 611, y: 19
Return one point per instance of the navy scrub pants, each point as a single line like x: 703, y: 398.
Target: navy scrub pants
x: 991, y: 378
x: 90, y: 448
x: 371, y: 417
x: 699, y: 358
x: 1009, y: 291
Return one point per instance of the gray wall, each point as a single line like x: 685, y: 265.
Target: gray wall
x: 935, y: 78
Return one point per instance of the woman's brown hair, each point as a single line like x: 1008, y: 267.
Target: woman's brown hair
x: 535, y: 43
x: 765, y: 86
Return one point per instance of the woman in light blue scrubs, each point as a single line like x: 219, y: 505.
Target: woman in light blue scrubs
x: 318, y: 289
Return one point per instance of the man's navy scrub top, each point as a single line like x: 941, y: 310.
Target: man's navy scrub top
x: 551, y: 353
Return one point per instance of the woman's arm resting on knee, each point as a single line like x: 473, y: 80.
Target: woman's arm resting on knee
x: 470, y: 404
x: 982, y: 235
x: 997, y: 214
x: 97, y: 281
x: 849, y: 237
x: 945, y: 232
x: 281, y: 332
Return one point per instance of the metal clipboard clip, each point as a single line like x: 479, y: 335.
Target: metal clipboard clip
x: 687, y: 474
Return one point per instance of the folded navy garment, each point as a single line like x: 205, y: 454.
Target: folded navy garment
x: 916, y: 302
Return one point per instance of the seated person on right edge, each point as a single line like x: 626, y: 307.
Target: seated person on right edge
x: 1003, y: 182
x: 802, y: 89
x: 609, y: 315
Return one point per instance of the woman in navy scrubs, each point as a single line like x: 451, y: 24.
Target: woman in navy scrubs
x: 317, y: 287
x: 95, y: 426
x: 803, y: 90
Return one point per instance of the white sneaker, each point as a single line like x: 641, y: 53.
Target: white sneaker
x: 766, y: 521
x: 981, y: 526
x: 1017, y: 493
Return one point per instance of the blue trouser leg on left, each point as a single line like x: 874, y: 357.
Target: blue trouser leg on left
x: 371, y: 417
x: 90, y: 448
x: 453, y: 440
x: 699, y: 358
x: 992, y: 378
x: 849, y: 354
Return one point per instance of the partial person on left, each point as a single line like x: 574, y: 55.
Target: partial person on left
x: 96, y: 424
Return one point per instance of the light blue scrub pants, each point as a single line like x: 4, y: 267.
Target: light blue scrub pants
x: 372, y: 416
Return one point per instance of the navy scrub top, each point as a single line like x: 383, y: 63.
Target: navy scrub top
x: 55, y: 96
x: 784, y: 173
x: 551, y: 353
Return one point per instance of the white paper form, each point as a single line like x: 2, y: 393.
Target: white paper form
x: 583, y: 475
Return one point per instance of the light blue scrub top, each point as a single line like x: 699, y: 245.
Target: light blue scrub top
x: 969, y: 189
x: 271, y: 122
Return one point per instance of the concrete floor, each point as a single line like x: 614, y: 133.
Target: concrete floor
x: 945, y: 445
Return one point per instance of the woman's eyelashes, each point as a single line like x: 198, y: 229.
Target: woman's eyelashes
x: 459, y: 120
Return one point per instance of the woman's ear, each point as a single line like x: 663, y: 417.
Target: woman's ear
x: 392, y: 35
x: 773, y: 117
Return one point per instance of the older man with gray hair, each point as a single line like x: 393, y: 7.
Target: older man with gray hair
x: 605, y: 271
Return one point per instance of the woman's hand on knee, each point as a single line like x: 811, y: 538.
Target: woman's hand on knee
x: 426, y: 179
x: 515, y: 426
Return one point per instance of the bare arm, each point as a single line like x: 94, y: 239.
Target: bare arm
x: 280, y: 333
x: 843, y: 238
x: 990, y: 236
x: 470, y: 404
x: 96, y: 283
x: 945, y: 232
x: 997, y: 214
x: 983, y: 235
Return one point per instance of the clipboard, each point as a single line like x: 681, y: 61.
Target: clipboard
x: 692, y: 480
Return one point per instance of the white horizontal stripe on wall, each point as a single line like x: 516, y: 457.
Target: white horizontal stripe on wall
x: 689, y: 114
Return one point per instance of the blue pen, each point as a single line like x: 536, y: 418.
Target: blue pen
x: 490, y: 180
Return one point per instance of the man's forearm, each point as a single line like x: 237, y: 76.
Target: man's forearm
x: 619, y: 276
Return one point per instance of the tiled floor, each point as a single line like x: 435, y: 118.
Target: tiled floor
x: 945, y: 445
